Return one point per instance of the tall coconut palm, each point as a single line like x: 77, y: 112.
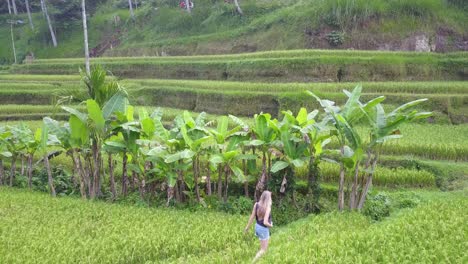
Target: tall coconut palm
x: 49, y: 22
x: 31, y: 24
x: 85, y: 36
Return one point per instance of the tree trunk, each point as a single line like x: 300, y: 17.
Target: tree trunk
x: 15, y: 11
x: 196, y: 169
x: 111, y: 177
x: 181, y: 184
x: 341, y: 185
x: 29, y: 14
x: 130, y: 6
x: 96, y: 169
x: 227, y: 173
x: 86, y: 172
x: 368, y: 184
x: 49, y: 22
x: 12, y: 170
x: 13, y: 42
x: 244, y: 169
x: 141, y: 185
x: 261, y: 182
x: 9, y: 7
x: 220, y: 182
x: 2, y: 172
x: 187, y: 6
x: 124, y: 174
x: 268, y: 172
x: 170, y: 194
x: 313, y: 188
x: 80, y: 172
x: 22, y: 165
x: 175, y: 191
x: 238, y: 8
x: 208, y: 179
x: 49, y: 175
x: 364, y: 175
x: 85, y: 34
x: 353, y: 195
x: 30, y: 169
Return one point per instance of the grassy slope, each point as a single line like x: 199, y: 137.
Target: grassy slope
x: 36, y: 228
x: 215, y: 28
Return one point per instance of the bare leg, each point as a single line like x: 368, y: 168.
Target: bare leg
x: 263, y: 249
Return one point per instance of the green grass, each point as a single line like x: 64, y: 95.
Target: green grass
x: 39, y: 229
x: 447, y: 99
x: 434, y: 232
x: 69, y: 230
x: 374, y: 66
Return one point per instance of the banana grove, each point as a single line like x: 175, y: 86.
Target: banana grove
x: 191, y: 158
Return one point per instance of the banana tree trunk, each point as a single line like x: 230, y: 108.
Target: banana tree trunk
x: 261, y: 182
x: 49, y: 22
x: 96, y: 169
x: 124, y: 174
x: 208, y: 179
x: 170, y: 194
x: 29, y: 14
x: 2, y: 172
x: 220, y: 182
x: 30, y: 170
x: 111, y: 176
x: 368, y: 184
x: 341, y: 184
x: 49, y: 175
x: 141, y: 184
x: 22, y: 164
x: 353, y: 194
x: 79, y: 171
x: 85, y: 34
x: 313, y: 186
x: 238, y: 8
x: 246, y: 183
x: 196, y: 169
x: 15, y: 10
x: 181, y: 184
x: 12, y: 170
x: 227, y: 173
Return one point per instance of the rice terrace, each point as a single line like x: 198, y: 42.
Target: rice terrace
x: 234, y: 131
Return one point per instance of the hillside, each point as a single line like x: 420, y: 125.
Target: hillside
x: 161, y: 27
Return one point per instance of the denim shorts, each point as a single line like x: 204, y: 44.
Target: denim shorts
x: 263, y: 233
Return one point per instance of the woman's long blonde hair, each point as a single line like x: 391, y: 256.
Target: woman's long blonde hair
x: 264, y: 203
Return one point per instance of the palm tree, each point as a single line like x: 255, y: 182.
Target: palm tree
x: 49, y: 22
x: 29, y: 14
x: 85, y: 34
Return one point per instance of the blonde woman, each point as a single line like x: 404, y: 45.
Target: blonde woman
x: 262, y: 214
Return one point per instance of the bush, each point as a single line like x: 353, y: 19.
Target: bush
x: 406, y: 200
x: 377, y: 207
x: 335, y: 38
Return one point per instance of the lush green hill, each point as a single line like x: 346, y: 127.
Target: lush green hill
x: 162, y: 28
